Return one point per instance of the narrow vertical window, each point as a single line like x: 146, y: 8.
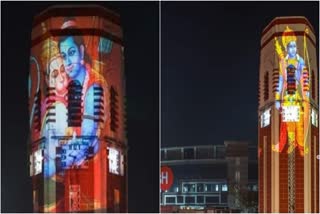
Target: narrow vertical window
x: 37, y: 111
x: 266, y: 86
x: 313, y: 86
x: 314, y: 117
x: 113, y: 109
x: 74, y: 104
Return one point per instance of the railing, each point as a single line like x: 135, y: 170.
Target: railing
x: 193, y: 152
x: 206, y: 152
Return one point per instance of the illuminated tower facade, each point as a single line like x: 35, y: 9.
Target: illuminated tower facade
x: 78, y: 145
x: 288, y: 117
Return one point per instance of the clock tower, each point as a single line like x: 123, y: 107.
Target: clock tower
x: 78, y: 145
x: 288, y: 117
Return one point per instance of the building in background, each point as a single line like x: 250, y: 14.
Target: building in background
x: 209, y: 178
x: 288, y: 117
x: 78, y: 145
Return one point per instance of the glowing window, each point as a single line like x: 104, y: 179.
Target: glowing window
x: 37, y: 162
x: 265, y: 118
x: 290, y: 114
x: 189, y: 188
x: 255, y: 188
x: 224, y: 188
x: 114, y: 161
x: 314, y: 117
x: 207, y: 187
x: 185, y: 189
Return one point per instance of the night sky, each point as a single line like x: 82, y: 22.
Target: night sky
x: 140, y: 22
x: 210, y: 67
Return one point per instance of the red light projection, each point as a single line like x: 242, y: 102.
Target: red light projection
x: 76, y: 111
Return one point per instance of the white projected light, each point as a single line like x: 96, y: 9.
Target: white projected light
x: 314, y: 117
x: 265, y: 118
x: 114, y: 161
x: 37, y: 162
x: 290, y: 114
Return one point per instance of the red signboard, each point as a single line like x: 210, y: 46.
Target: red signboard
x: 166, y: 178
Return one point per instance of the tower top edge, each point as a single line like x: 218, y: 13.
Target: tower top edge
x: 77, y: 10
x: 289, y: 20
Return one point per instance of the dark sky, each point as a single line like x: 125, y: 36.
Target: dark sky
x: 210, y: 67
x: 141, y: 36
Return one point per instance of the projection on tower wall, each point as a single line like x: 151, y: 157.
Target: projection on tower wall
x: 293, y: 91
x: 71, y: 104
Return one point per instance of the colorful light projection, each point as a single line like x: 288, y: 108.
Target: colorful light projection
x: 292, y: 95
x: 69, y: 107
x: 74, y: 101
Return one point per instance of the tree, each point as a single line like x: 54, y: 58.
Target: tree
x: 243, y: 198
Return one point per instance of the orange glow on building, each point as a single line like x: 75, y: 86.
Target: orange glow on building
x: 78, y: 149
x: 288, y: 120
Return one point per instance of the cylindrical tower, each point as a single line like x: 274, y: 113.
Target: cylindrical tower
x: 288, y: 117
x: 78, y: 149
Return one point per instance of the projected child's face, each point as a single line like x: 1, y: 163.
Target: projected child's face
x: 57, y: 76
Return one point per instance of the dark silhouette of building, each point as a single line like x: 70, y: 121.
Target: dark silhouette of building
x: 211, y: 178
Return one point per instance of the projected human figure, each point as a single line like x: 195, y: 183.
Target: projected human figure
x: 53, y: 107
x: 291, y: 95
x: 78, y: 68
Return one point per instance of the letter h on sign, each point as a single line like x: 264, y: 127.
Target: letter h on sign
x: 164, y: 177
